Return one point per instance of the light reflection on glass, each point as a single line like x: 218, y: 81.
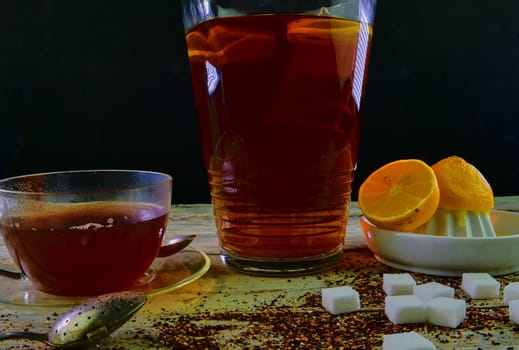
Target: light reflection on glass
x: 213, y: 78
x: 362, y: 51
x: 196, y: 12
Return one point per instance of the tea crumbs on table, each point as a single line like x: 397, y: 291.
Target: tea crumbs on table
x: 309, y: 326
x: 272, y: 328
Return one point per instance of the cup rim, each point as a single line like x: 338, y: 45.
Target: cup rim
x: 166, y: 178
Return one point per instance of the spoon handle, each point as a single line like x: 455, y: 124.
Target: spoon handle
x: 42, y: 337
x: 12, y: 275
x: 175, y: 245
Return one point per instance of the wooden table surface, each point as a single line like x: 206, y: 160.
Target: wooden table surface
x: 228, y: 310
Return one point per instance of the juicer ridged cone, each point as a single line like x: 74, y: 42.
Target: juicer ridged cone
x: 460, y: 223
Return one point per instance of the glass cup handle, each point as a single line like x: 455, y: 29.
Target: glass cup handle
x: 12, y: 275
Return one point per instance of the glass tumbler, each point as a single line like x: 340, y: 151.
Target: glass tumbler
x: 278, y: 88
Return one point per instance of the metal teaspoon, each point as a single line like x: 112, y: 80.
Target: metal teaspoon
x: 170, y: 247
x: 88, y: 322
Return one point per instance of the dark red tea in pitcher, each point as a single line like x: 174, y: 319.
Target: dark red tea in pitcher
x: 278, y: 101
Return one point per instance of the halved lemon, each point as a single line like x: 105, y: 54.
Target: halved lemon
x: 401, y: 195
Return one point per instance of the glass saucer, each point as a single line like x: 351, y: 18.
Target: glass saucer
x: 165, y: 275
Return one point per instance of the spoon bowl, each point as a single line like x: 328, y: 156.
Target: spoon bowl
x: 88, y: 322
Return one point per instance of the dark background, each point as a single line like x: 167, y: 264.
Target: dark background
x: 105, y: 84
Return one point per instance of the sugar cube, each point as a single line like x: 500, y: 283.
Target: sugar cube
x: 402, y: 309
x: 513, y: 309
x: 511, y: 292
x: 480, y: 285
x: 398, y: 283
x: 431, y: 290
x: 339, y: 300
x: 446, y: 312
x: 406, y: 341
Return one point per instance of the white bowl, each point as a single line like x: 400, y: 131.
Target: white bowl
x: 448, y: 256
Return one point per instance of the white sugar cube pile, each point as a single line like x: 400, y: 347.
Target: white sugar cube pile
x: 408, y: 302
x: 431, y: 290
x: 445, y: 311
x: 339, y: 300
x: 406, y: 341
x: 429, y: 302
x: 480, y: 285
x: 398, y: 283
x: 402, y: 309
x: 511, y: 292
